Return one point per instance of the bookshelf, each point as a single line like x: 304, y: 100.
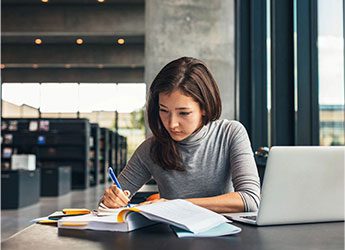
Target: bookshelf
x: 121, y: 152
x: 112, y: 151
x: 55, y: 142
x: 94, y: 162
x: 104, y: 154
x: 19, y: 188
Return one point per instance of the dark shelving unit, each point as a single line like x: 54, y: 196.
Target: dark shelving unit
x: 55, y: 181
x: 112, y: 152
x: 19, y: 188
x: 121, y: 152
x: 94, y: 162
x: 55, y: 142
x: 104, y: 154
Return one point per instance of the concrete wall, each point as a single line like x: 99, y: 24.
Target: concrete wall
x: 84, y: 75
x: 198, y: 28
x: 106, y: 54
x: 73, y: 18
x: 58, y: 24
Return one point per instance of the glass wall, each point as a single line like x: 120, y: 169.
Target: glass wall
x: 20, y: 100
x: 331, y: 72
x: 94, y: 101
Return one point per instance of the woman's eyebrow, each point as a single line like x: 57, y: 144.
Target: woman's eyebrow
x: 179, y: 108
x: 182, y: 108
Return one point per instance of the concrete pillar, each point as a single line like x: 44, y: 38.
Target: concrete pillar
x: 199, y: 28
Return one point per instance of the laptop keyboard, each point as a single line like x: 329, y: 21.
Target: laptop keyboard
x: 249, y: 217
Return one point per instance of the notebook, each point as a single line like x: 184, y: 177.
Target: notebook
x: 190, y: 219
x: 54, y: 217
x: 301, y: 185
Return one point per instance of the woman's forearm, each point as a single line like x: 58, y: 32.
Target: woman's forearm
x: 226, y: 203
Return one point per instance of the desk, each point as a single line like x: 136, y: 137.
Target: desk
x: 328, y: 236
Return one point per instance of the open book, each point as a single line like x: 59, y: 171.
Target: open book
x: 191, y: 220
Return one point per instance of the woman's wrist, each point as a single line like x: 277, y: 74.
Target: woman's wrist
x: 226, y: 203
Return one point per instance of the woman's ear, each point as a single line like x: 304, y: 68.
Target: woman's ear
x: 203, y: 112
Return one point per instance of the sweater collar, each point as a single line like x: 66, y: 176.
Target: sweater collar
x: 196, y: 137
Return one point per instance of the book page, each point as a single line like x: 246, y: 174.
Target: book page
x: 91, y: 217
x: 183, y: 214
x: 220, y: 230
x: 105, y: 223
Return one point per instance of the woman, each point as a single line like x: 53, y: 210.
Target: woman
x: 192, y: 155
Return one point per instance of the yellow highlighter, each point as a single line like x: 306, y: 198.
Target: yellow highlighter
x: 73, y: 224
x: 76, y: 211
x: 47, y: 222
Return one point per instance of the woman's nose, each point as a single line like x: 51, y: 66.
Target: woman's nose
x: 173, y: 122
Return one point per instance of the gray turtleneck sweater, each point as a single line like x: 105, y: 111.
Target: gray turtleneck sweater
x: 218, y: 159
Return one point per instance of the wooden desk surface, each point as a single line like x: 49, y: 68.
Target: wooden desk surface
x: 328, y: 236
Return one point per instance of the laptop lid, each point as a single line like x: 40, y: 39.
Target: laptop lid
x: 303, y: 184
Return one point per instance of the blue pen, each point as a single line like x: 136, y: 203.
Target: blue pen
x: 113, y: 178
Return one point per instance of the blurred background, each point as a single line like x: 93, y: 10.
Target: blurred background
x: 75, y: 74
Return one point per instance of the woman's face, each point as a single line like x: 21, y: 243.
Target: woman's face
x: 180, y: 114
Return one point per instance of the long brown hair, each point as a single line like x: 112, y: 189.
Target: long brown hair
x: 192, y: 77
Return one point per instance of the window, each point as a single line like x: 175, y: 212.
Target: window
x: 97, y: 102
x: 59, y: 97
x: 20, y: 99
x: 331, y: 72
x: 97, y: 97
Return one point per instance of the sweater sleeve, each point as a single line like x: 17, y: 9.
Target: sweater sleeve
x: 136, y: 174
x: 245, y: 176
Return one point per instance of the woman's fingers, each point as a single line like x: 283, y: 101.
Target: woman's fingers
x: 111, y: 200
x: 114, y: 197
x: 127, y: 193
x: 110, y: 204
x: 119, y: 193
x: 108, y: 194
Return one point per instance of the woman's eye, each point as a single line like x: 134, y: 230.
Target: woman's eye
x: 185, y: 113
x: 163, y: 110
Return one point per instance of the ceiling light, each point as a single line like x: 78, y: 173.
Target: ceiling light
x: 38, y: 41
x: 35, y: 66
x: 44, y: 1
x: 120, y: 41
x: 79, y: 41
x: 67, y: 66
x: 2, y: 66
x: 100, y: 1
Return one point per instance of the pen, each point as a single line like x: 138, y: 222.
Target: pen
x: 113, y: 178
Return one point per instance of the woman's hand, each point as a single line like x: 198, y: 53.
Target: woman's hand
x: 114, y: 197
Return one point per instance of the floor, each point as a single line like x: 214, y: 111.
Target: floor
x: 14, y: 220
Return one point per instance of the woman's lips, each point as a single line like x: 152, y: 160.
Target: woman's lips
x: 176, y: 132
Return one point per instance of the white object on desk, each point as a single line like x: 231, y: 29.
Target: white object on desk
x: 302, y: 184
x: 220, y: 230
x: 27, y: 162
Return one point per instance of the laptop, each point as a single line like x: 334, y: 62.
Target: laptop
x: 301, y: 185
